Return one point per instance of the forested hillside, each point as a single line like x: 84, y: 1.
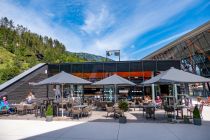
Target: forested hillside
x: 21, y: 49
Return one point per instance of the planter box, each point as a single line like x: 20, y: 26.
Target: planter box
x: 49, y: 118
x: 197, y: 121
x: 122, y: 119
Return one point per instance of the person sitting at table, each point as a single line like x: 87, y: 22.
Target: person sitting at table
x: 158, y: 101
x: 5, y: 105
x: 146, y: 99
x: 30, y: 97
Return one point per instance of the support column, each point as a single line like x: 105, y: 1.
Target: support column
x: 153, y: 90
x: 153, y: 93
x: 204, y: 90
x: 62, y: 99
x: 175, y: 91
x: 175, y: 95
x: 115, y: 93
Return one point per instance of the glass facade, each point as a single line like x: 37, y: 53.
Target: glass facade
x: 193, y: 51
x: 135, y: 71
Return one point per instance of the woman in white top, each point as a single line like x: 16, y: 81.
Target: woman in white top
x: 30, y: 98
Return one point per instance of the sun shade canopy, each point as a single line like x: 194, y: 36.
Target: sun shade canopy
x: 176, y: 76
x: 114, y: 80
x: 63, y: 78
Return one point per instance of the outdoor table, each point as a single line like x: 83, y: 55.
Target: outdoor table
x: 80, y: 106
x: 149, y: 109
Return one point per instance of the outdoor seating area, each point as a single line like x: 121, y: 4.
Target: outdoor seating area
x: 173, y: 107
x: 72, y: 111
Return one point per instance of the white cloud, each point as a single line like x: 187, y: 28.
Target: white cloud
x: 98, y: 18
x: 40, y: 24
x: 97, y: 21
x: 142, y: 21
x: 160, y: 43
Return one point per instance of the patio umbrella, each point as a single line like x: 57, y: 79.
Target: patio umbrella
x: 62, y: 78
x: 114, y: 80
x: 176, y: 76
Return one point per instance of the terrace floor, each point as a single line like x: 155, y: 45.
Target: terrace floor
x: 100, y: 116
x: 98, y: 127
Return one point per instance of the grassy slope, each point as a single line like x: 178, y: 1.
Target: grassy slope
x: 6, y: 58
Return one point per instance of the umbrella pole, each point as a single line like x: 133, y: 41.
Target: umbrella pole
x: 175, y: 94
x: 62, y: 100
x: 153, y: 93
x: 115, y: 89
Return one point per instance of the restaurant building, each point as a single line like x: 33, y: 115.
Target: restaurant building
x: 135, y: 71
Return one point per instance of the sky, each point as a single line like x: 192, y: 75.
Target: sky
x: 135, y: 27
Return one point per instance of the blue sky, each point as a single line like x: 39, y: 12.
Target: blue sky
x: 136, y: 27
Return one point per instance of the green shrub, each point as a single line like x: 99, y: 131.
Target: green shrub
x: 123, y: 105
x: 196, y: 113
x: 49, y: 111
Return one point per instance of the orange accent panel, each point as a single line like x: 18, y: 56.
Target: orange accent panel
x: 101, y: 75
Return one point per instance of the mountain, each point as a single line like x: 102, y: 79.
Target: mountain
x: 20, y: 49
x: 92, y: 57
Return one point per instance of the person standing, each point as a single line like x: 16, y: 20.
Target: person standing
x: 57, y: 93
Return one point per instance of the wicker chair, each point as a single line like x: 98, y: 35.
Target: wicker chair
x: 109, y: 110
x: 30, y: 108
x: 76, y: 112
x: 87, y: 111
x: 21, y: 109
x: 117, y: 112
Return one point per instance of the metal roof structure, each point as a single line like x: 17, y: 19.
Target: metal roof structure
x: 192, y: 33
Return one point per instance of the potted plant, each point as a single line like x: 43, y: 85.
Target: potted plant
x: 49, y: 113
x: 196, y: 116
x: 123, y: 106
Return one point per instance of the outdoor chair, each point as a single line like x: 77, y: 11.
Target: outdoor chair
x: 201, y: 110
x: 76, y: 112
x: 30, y: 108
x: 207, y: 102
x: 168, y: 110
x: 190, y: 110
x: 109, y: 110
x: 103, y: 105
x: 86, y: 111
x: 150, y: 113
x: 117, y: 112
x: 144, y: 110
x: 4, y: 110
x: 132, y: 105
x: 69, y: 109
x: 21, y: 109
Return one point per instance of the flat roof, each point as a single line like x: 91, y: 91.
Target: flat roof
x: 20, y: 76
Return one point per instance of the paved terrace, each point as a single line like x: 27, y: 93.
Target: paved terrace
x: 87, y: 129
